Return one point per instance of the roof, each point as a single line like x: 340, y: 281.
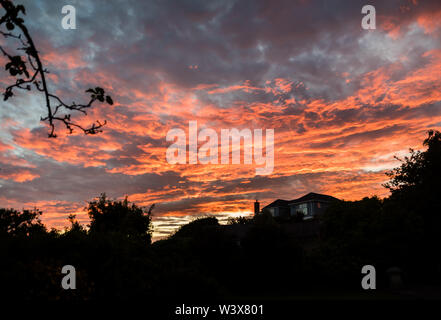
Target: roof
x: 308, y: 197
x: 278, y: 203
x: 313, y: 196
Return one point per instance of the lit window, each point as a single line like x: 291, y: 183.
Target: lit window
x: 303, y: 208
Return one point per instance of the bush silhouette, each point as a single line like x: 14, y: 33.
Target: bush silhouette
x: 109, y: 216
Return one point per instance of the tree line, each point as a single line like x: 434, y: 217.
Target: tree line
x: 115, y: 258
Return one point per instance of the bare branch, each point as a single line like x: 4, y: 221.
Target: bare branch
x: 18, y: 68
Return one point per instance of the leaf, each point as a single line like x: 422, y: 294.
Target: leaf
x: 10, y: 25
x: 90, y: 91
x: 21, y: 8
x: 99, y: 90
x: 109, y: 100
x: 7, y: 94
x: 16, y: 60
x: 101, y: 98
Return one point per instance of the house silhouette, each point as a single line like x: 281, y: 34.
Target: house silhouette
x: 309, y: 205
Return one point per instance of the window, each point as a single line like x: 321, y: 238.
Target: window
x: 303, y: 208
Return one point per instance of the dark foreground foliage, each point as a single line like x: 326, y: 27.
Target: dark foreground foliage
x: 257, y: 258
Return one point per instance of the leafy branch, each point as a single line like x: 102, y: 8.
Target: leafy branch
x: 28, y: 71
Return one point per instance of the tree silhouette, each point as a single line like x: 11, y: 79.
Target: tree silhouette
x: 75, y: 225
x: 421, y: 170
x: 119, y: 217
x: 29, y: 72
x: 13, y: 222
x: 415, y: 187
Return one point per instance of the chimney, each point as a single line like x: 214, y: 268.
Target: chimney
x: 256, y: 208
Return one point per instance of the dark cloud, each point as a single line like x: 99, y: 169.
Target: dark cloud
x: 305, y: 68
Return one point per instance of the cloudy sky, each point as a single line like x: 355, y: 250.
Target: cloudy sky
x: 343, y: 101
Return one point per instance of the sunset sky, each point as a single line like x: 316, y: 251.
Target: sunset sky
x: 342, y: 101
